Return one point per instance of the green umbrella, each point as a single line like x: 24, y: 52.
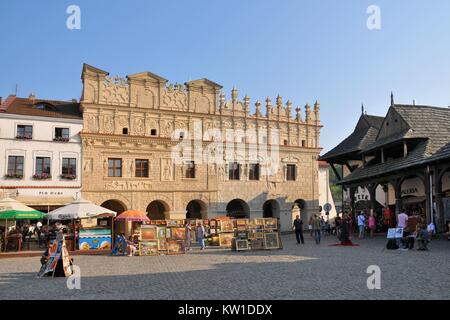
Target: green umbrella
x: 11, y: 209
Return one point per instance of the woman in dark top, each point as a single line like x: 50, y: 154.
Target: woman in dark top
x: 346, y: 225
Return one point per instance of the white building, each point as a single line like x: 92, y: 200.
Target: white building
x: 325, y: 195
x: 40, y: 151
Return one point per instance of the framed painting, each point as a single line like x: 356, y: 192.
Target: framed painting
x: 271, y: 241
x: 226, y: 239
x: 212, y: 223
x: 260, y: 222
x: 148, y: 233
x: 178, y: 233
x: 175, y: 246
x: 242, y: 245
x: 242, y: 222
x: 162, y: 232
x: 162, y: 245
x: 214, y: 241
x: 242, y: 234
x: 226, y: 226
x: 212, y: 231
x: 148, y: 248
x: 257, y: 244
x: 171, y: 223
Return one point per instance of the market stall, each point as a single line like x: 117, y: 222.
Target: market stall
x: 90, y: 226
x: 162, y: 237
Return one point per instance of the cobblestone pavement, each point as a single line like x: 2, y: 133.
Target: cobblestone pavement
x: 307, y: 271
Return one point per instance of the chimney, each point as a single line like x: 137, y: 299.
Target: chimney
x: 32, y: 97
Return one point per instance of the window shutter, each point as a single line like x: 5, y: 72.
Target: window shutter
x: 296, y: 172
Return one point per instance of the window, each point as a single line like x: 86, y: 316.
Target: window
x: 61, y: 134
x: 125, y: 131
x: 181, y: 135
x: 114, y: 167
x: 42, y: 167
x: 15, y: 167
x: 291, y: 172
x: 303, y: 143
x: 234, y: 171
x: 253, y: 173
x: 153, y: 132
x: 141, y: 169
x: 69, y: 168
x: 190, y: 169
x: 285, y: 142
x: 24, y: 132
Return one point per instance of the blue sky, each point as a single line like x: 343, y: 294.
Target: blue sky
x: 301, y: 49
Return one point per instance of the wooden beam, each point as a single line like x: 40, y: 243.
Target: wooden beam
x: 336, y: 172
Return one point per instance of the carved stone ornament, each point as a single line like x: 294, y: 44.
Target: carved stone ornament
x: 115, y: 91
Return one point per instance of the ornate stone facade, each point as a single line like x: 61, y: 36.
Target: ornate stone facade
x: 143, y: 117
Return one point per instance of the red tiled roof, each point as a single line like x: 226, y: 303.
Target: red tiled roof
x: 53, y: 108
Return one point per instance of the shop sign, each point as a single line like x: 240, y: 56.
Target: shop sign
x: 53, y: 193
x: 409, y: 191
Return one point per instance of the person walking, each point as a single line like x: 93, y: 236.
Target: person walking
x: 310, y: 227
x: 298, y: 227
x: 188, y: 228
x: 361, y: 224
x: 201, y: 235
x: 316, y: 225
x: 372, y: 225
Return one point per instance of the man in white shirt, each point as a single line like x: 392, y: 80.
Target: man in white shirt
x: 402, y: 220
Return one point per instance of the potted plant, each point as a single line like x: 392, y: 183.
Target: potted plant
x: 42, y: 176
x: 24, y: 137
x: 61, y: 139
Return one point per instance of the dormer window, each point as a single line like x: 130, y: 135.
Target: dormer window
x: 44, y: 106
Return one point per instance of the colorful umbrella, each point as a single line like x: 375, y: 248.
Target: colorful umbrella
x: 133, y: 215
x: 11, y: 209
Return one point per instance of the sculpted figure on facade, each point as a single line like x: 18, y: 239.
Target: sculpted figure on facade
x: 115, y: 91
x: 138, y: 126
x: 108, y: 124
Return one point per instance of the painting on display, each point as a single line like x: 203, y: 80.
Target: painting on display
x: 226, y: 239
x: 257, y: 244
x: 148, y: 248
x: 148, y: 233
x: 175, y: 246
x: 226, y: 226
x: 162, y: 244
x: 178, y: 233
x: 242, y: 245
x: 162, y: 232
x: 242, y: 222
x: 214, y: 241
x: 271, y: 241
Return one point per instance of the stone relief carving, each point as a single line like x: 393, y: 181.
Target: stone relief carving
x: 108, y: 124
x: 166, y: 170
x: 175, y: 97
x: 138, y: 126
x: 167, y: 128
x: 88, y: 165
x: 115, y: 91
x: 92, y: 123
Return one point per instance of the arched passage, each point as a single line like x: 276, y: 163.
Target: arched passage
x: 196, y: 209
x: 271, y: 209
x: 114, y: 205
x: 157, y: 210
x: 300, y: 203
x: 238, y: 208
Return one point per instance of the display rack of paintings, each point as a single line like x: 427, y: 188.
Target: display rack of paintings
x: 166, y: 237
x: 240, y: 244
